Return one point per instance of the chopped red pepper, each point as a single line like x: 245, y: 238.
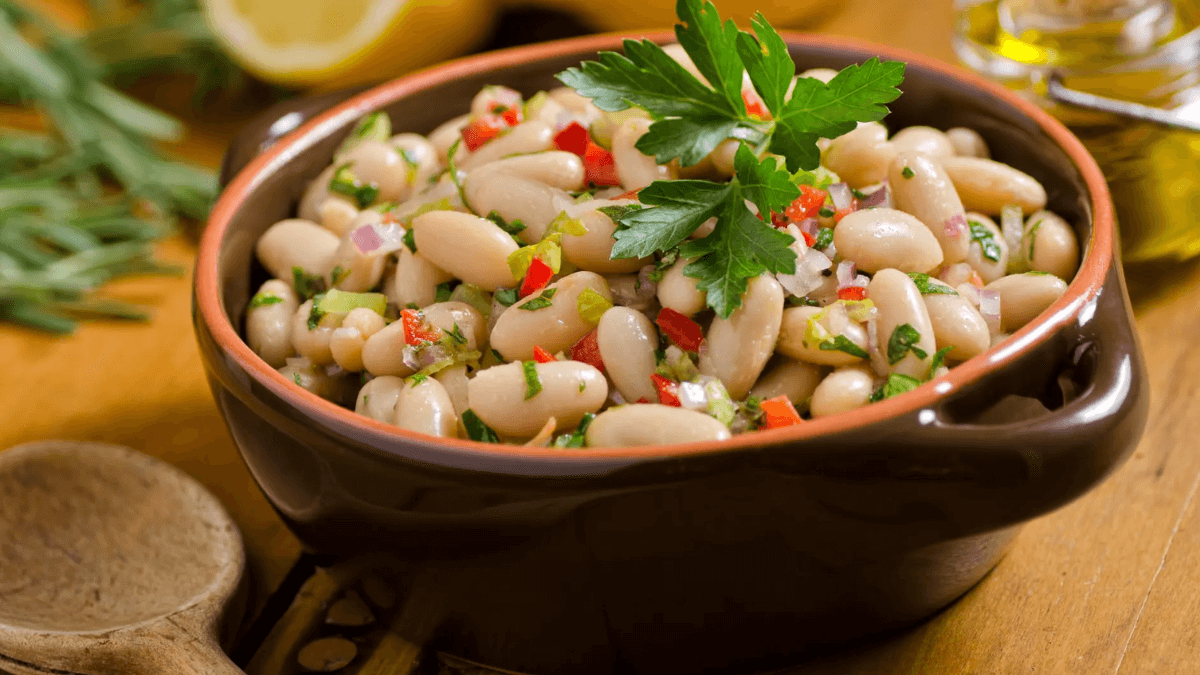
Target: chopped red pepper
x: 587, y: 350
x: 415, y: 330
x: 682, y: 330
x: 667, y: 390
x: 842, y: 213
x: 536, y: 278
x: 642, y: 400
x: 573, y: 138
x: 754, y: 105
x: 809, y: 240
x: 542, y: 356
x: 632, y: 194
x: 482, y: 130
x: 778, y: 220
x: 807, y: 205
x: 852, y: 293
x: 512, y: 116
x: 779, y: 412
x: 599, y: 166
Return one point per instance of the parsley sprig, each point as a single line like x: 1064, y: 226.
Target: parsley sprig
x: 692, y: 118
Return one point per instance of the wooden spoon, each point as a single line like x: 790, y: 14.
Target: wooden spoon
x: 111, y: 562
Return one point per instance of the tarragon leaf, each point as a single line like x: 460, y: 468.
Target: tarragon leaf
x: 647, y: 77
x: 677, y: 208
x: 762, y: 183
x: 740, y: 248
x: 691, y: 140
x: 768, y: 63
x: 712, y: 45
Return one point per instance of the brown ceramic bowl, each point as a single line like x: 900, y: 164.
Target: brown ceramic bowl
x: 738, y: 555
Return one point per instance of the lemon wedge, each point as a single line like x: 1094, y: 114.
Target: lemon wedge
x: 326, y: 44
x: 625, y: 15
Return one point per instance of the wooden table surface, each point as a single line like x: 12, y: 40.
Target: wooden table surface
x: 1104, y: 585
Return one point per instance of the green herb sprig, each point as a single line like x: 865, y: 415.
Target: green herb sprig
x: 692, y: 118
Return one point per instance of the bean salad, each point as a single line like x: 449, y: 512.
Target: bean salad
x: 475, y: 282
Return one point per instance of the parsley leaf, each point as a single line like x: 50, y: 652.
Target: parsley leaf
x: 577, y: 438
x: 986, y: 238
x: 476, y: 429
x: 762, y: 183
x: 456, y: 335
x: 927, y: 286
x: 767, y: 62
x: 315, y: 314
x: 691, y: 140
x: 713, y: 48
x: 533, y: 384
x: 824, y: 238
x: 442, y: 294
x: 619, y: 211
x: 895, y: 385
x: 740, y: 248
x: 841, y: 343
x: 541, y: 301
x: 512, y: 228
x: 307, y: 285
x: 939, y: 358
x: 680, y: 206
x: 264, y: 299
x: 904, y: 339
x: 507, y: 296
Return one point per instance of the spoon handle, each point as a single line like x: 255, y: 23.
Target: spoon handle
x: 197, y: 656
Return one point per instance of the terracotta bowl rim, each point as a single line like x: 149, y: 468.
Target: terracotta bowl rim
x: 1083, y: 289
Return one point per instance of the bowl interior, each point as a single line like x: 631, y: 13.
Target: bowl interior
x: 934, y: 94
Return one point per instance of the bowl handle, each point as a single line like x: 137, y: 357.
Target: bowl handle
x: 273, y: 124
x: 1021, y: 465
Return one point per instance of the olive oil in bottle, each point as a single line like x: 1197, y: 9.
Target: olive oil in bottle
x: 1143, y: 51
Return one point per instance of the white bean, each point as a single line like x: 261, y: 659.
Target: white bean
x: 269, y: 327
x: 530, y: 136
x: 923, y: 139
x: 454, y: 379
x: 861, y: 157
x: 627, y: 340
x: 377, y: 163
x: 446, y: 135
x: 921, y: 187
x: 878, y: 238
x: 899, y: 303
x: 491, y: 96
x: 442, y: 237
x: 296, y: 243
x: 313, y: 378
x: 447, y: 315
x: 360, y: 272
x: 593, y: 251
x: 634, y: 169
x: 427, y: 408
x: 570, y: 389
x: 377, y: 398
x: 841, y: 391
x: 989, y: 270
x: 988, y: 186
x: 1024, y: 296
x: 346, y: 343
x: 738, y: 347
x: 420, y: 158
x: 336, y: 214
x: 415, y: 280
x: 315, y: 195
x: 956, y: 323
x: 787, y: 377
x: 313, y: 343
x: 678, y: 292
x: 556, y: 168
x: 554, y: 328
x: 533, y: 203
x: 581, y: 106
x: 822, y: 74
x: 1049, y: 245
x: 383, y: 353
x: 967, y: 142
x: 722, y: 157
x: 652, y: 424
x: 793, y: 338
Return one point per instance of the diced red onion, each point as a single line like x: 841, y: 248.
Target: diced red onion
x: 841, y: 195
x: 615, y: 397
x: 432, y: 354
x: 334, y: 370
x: 816, y: 260
x: 830, y: 251
x: 860, y: 280
x: 845, y: 273
x: 881, y: 198
x: 411, y: 356
x: 691, y: 395
x: 989, y: 307
x: 810, y: 226
x: 878, y: 362
x: 366, y: 239
x: 836, y: 319
x: 955, y: 225
x: 646, y: 288
x: 808, y: 275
